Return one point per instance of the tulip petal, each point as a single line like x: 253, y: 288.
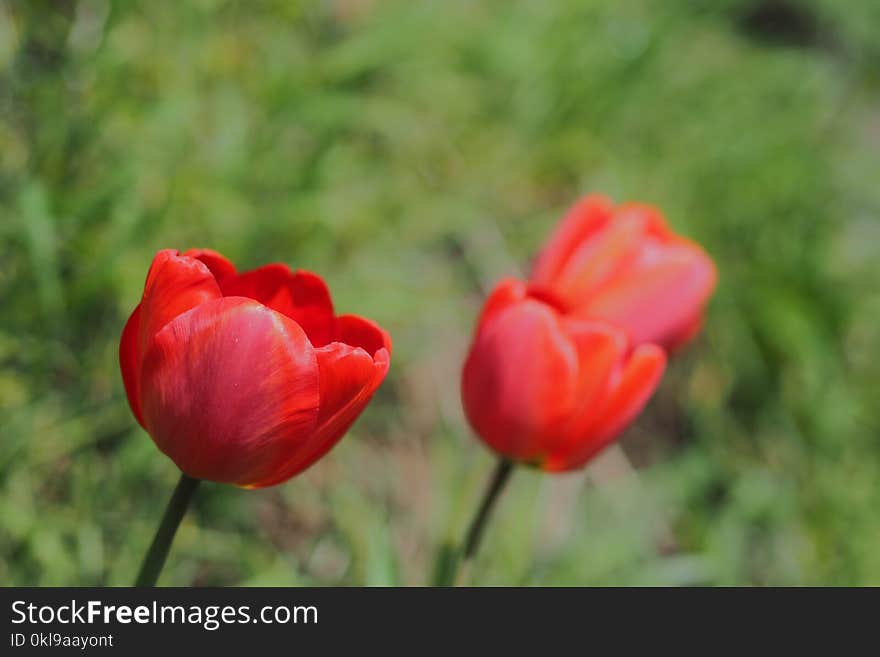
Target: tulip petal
x: 580, y: 223
x: 230, y: 390
x: 654, y: 298
x: 348, y: 378
x: 130, y: 362
x: 218, y: 264
x: 174, y: 285
x: 655, y: 222
x: 357, y: 331
x: 520, y: 380
x: 636, y: 384
x: 688, y: 330
x: 600, y: 347
x: 301, y: 295
x: 344, y: 371
x: 625, y: 265
x: 600, y: 259
x: 508, y: 292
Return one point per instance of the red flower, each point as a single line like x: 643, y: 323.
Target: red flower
x: 624, y: 265
x: 549, y: 389
x: 245, y: 378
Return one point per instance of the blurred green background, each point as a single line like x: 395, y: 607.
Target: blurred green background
x: 412, y: 153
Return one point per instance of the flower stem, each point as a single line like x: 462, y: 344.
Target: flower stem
x: 499, y: 479
x: 158, y: 552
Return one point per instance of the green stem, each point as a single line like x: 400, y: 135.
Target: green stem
x: 499, y: 479
x: 158, y: 552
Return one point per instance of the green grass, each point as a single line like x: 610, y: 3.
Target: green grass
x: 412, y: 153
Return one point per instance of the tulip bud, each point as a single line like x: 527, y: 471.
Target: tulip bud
x: 625, y: 266
x: 245, y: 378
x: 551, y: 390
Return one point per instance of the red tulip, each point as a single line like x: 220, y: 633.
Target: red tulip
x: 245, y: 378
x: 624, y: 265
x: 548, y: 389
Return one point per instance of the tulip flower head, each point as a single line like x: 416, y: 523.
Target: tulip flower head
x: 548, y: 389
x: 245, y: 378
x: 624, y: 265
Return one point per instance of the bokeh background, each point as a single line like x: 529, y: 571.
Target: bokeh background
x: 412, y: 153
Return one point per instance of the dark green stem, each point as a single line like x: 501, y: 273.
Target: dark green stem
x: 158, y: 552
x: 499, y: 479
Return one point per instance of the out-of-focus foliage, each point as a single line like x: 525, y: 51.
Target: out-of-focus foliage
x: 412, y: 152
